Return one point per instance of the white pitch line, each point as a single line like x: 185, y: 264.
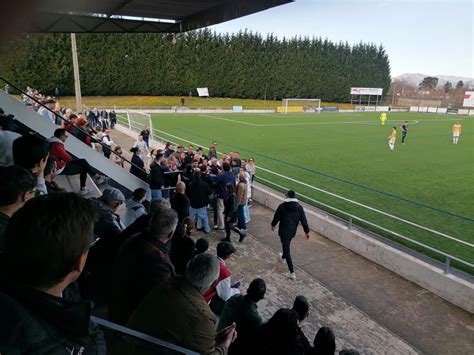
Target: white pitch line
x: 341, y: 197
x: 331, y: 122
x: 297, y: 123
x: 229, y: 120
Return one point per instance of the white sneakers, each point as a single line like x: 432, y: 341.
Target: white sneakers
x: 85, y: 191
x: 280, y: 257
x: 102, y: 180
x: 290, y: 275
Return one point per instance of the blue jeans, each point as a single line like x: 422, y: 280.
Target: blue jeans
x: 156, y: 194
x: 247, y: 212
x: 201, y: 214
x: 241, y: 217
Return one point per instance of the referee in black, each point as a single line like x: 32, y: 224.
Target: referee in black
x: 404, y: 132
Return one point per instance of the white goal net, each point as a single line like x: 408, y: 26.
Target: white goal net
x: 296, y: 105
x: 139, y: 120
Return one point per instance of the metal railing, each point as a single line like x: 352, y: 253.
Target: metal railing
x: 118, y: 335
x: 58, y: 116
x: 351, y: 219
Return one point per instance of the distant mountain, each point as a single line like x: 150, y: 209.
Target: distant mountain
x: 416, y: 78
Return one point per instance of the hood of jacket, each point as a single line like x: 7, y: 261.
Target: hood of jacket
x: 132, y: 203
x: 54, y: 139
x: 291, y: 204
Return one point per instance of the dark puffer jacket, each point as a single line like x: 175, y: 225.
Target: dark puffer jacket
x: 33, y: 322
x: 289, y: 214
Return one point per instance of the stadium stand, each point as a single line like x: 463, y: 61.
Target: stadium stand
x: 111, y: 244
x: 96, y: 259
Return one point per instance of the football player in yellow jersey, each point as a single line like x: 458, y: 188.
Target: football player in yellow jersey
x: 456, y: 132
x: 392, y: 138
x: 383, y: 118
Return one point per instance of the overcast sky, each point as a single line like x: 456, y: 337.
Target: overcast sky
x: 433, y: 37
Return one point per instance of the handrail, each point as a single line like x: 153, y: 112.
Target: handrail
x: 448, y: 257
x: 146, y: 338
x: 374, y: 209
x: 346, y: 199
x: 354, y: 217
x: 56, y: 115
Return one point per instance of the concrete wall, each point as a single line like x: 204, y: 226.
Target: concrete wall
x: 453, y: 289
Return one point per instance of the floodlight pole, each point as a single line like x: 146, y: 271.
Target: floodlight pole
x: 77, y: 80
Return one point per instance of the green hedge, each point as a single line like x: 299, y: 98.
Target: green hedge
x: 244, y: 65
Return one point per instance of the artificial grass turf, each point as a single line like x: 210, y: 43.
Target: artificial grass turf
x: 427, y: 181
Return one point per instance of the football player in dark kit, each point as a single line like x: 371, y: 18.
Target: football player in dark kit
x: 404, y: 131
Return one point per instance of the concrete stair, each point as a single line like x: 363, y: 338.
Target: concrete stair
x: 71, y: 183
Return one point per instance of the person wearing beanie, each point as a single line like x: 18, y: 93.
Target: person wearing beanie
x: 108, y: 223
x: 289, y: 214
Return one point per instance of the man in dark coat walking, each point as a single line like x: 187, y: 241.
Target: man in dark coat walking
x: 289, y: 214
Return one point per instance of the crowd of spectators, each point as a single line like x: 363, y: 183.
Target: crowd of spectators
x: 60, y: 254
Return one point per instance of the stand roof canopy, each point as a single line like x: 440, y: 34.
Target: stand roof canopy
x: 138, y: 16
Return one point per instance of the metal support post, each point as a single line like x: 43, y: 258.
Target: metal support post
x: 447, y: 265
x: 77, y: 80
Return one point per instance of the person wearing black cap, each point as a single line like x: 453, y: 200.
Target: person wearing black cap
x: 289, y: 214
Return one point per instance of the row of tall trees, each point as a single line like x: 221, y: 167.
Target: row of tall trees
x: 243, y: 65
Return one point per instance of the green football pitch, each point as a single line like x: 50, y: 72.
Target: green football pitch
x: 427, y: 181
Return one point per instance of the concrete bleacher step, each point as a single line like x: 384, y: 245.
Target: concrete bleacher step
x: 71, y: 183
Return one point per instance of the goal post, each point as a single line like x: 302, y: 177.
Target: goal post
x: 139, y: 120
x: 296, y: 105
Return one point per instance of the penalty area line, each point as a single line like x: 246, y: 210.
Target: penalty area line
x: 229, y: 120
